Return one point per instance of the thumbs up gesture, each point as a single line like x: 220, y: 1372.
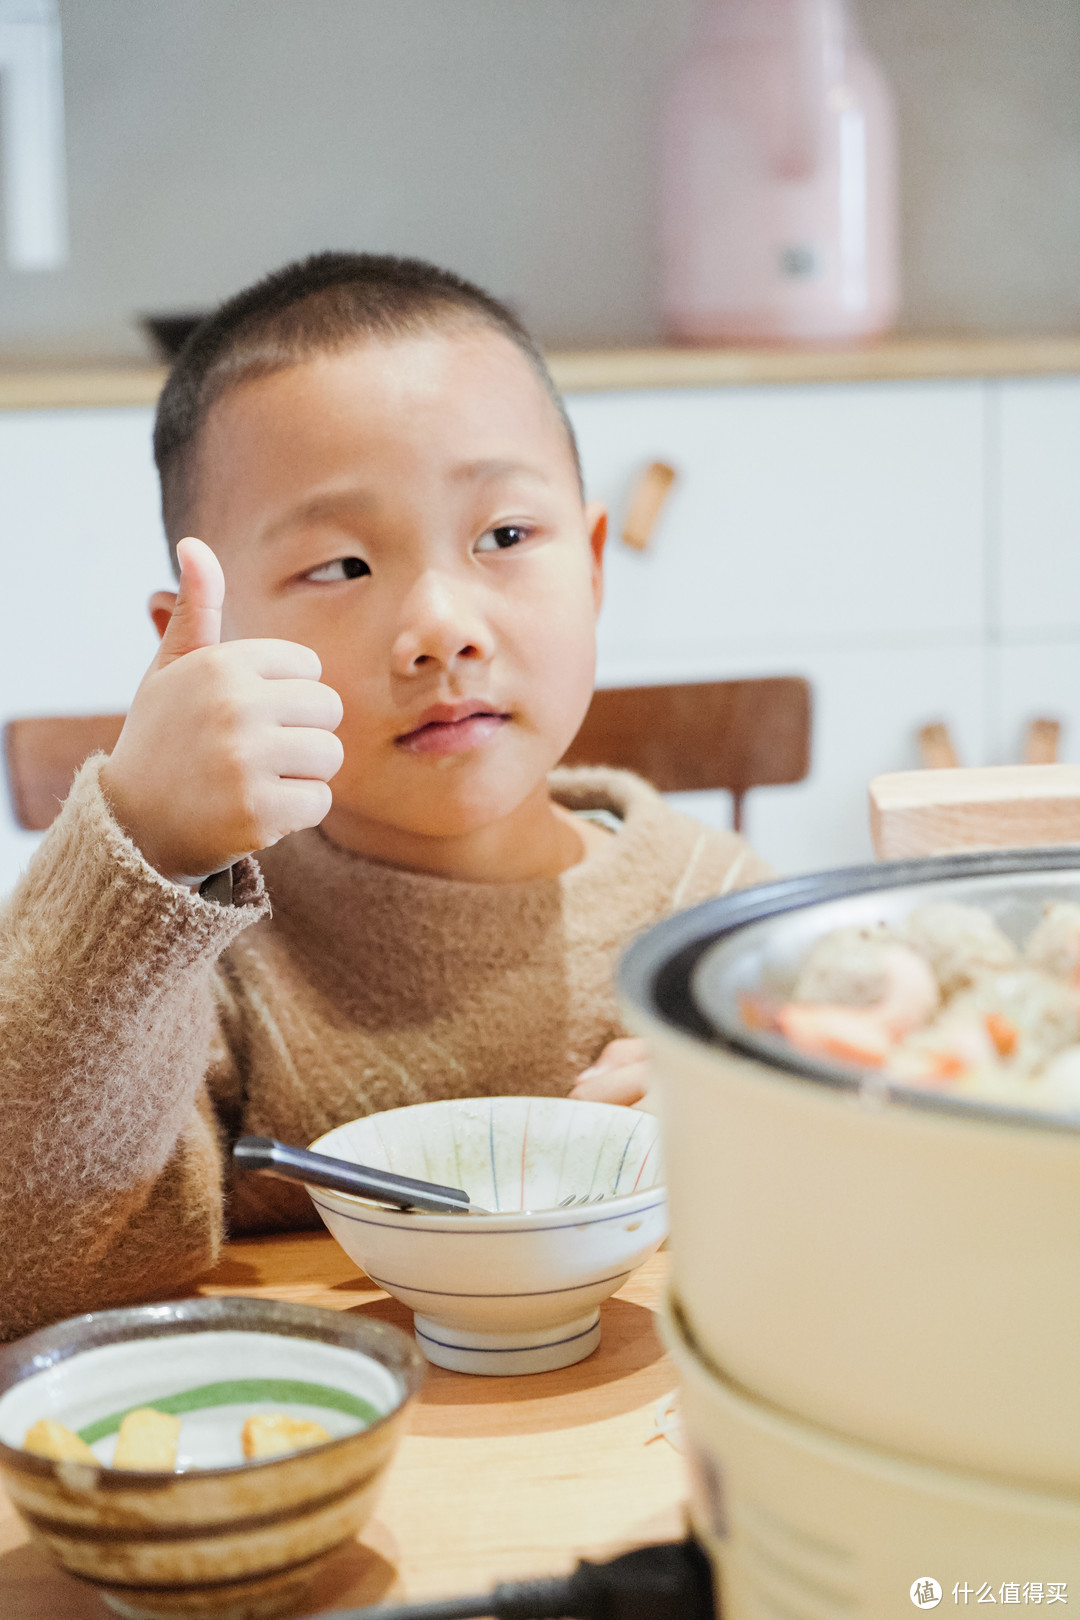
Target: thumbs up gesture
x: 227, y: 746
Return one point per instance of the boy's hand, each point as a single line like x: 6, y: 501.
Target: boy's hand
x: 619, y: 1075
x: 227, y: 746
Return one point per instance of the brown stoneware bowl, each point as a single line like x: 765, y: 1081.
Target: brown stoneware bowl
x: 222, y: 1535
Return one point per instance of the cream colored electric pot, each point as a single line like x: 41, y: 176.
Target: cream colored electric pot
x: 897, y: 1267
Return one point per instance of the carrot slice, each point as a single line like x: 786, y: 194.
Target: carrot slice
x: 1003, y: 1032
x: 948, y: 1065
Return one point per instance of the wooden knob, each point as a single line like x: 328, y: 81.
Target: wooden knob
x: 1041, y: 742
x: 936, y: 747
x: 650, y: 493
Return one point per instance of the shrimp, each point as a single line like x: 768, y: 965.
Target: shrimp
x: 860, y: 991
x: 853, y: 1034
x: 956, y: 1045
x: 861, y: 967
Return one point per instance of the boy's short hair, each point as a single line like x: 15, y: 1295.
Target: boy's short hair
x: 315, y: 306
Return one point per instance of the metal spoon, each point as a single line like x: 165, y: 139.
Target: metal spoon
x: 319, y: 1170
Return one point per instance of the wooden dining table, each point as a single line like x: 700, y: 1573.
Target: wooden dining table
x: 496, y: 1478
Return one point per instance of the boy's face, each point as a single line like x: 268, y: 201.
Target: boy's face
x: 410, y: 510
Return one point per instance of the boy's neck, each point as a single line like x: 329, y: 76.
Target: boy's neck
x: 540, y: 839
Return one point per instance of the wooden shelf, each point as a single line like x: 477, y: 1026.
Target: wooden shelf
x: 899, y: 359
x: 588, y: 371
x: 72, y: 387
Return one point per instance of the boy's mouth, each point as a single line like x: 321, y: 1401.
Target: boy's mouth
x: 453, y: 728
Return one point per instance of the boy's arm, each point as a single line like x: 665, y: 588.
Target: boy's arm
x: 110, y: 1174
x: 110, y: 1179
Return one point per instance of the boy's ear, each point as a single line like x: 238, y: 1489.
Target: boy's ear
x: 596, y: 523
x: 162, y: 607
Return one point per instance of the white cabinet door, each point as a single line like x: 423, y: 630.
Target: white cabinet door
x: 1039, y: 446
x: 1038, y: 682
x: 81, y: 548
x: 812, y: 516
x: 868, y: 707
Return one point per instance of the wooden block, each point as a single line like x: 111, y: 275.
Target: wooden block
x: 997, y: 807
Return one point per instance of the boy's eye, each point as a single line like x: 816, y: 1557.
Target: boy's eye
x: 340, y: 568
x: 501, y: 539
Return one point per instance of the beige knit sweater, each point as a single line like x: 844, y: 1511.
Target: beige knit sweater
x: 142, y: 1028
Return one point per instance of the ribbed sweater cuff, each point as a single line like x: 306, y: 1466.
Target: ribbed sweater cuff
x: 112, y: 918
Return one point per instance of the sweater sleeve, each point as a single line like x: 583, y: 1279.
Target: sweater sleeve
x: 110, y: 1169
x: 716, y: 863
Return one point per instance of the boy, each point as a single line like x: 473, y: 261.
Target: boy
x: 395, y: 591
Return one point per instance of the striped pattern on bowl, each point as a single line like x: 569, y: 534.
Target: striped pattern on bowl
x: 510, y: 1153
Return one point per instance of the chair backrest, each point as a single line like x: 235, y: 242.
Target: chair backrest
x: 736, y: 735
x: 42, y: 758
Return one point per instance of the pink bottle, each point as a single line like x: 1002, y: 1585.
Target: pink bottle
x: 779, y: 180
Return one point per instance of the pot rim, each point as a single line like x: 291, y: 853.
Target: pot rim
x: 656, y: 974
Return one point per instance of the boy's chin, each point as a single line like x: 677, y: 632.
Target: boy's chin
x: 450, y: 820
x: 447, y: 811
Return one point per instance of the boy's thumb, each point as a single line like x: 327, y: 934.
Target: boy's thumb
x: 196, y: 617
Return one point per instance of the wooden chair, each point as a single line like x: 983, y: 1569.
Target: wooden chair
x: 42, y: 758
x: 736, y: 735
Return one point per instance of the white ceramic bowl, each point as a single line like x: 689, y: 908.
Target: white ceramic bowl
x: 222, y: 1535
x: 517, y: 1290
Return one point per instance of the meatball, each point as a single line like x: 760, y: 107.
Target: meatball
x: 1054, y: 946
x: 961, y: 943
x: 867, y: 967
x: 1029, y: 1015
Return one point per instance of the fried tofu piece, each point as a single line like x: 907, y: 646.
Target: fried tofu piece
x: 147, y: 1440
x: 47, y: 1438
x: 272, y: 1434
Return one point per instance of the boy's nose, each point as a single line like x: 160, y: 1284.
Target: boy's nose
x: 440, y: 624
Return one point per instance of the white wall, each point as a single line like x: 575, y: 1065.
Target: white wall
x: 514, y: 140
x: 81, y: 548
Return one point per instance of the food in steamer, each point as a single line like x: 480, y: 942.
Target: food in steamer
x: 944, y: 1000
